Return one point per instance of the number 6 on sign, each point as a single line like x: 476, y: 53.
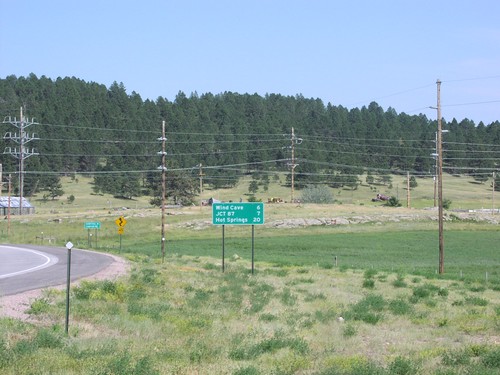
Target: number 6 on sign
x: 120, y: 230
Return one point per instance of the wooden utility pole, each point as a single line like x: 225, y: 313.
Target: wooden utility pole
x: 408, y: 189
x: 163, y: 189
x: 201, y: 178
x: 440, y: 179
x: 293, y: 165
x: 294, y: 141
x: 493, y: 194
x: 435, y: 170
x: 8, y: 206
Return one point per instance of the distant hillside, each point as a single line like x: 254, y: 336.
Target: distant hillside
x: 86, y: 127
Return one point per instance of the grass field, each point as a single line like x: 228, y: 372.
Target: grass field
x: 347, y: 299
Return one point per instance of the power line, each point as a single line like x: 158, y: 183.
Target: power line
x: 471, y: 103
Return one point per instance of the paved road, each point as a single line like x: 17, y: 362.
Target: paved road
x: 28, y: 267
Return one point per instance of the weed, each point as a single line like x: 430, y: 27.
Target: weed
x: 39, y: 306
x: 288, y: 298
x: 122, y: 364
x: 105, y: 290
x: 349, y: 330
x: 443, y: 292
x: 24, y: 347
x: 325, y: 316
x: 491, y: 359
x: 149, y: 275
x: 271, y: 345
x: 399, y: 282
x: 423, y: 291
x: 153, y: 310
x: 367, y: 310
x: 200, y: 352
x: 5, y: 354
x: 399, y: 307
x: 456, y: 357
x: 247, y: 371
x: 290, y: 364
x: 267, y: 317
x: 477, y: 288
x: 369, y: 273
x: 281, y: 272
x: 368, y: 283
x: 443, y: 322
x: 210, y: 266
x: 354, y: 366
x: 260, y: 295
x: 476, y: 301
x: 314, y: 296
x: 403, y: 366
x: 48, y: 338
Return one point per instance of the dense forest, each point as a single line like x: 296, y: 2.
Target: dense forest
x: 87, y: 128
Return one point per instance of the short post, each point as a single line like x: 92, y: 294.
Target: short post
x: 335, y: 261
x: 223, y: 248
x: 69, y: 246
x: 253, y: 232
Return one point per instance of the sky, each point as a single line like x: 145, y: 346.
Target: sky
x: 347, y: 53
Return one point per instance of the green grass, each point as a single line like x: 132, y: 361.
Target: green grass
x: 470, y: 254
x: 182, y: 317
x: 185, y: 316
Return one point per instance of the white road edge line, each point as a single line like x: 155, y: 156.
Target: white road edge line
x: 48, y: 260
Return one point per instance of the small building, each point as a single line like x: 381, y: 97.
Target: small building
x: 27, y: 208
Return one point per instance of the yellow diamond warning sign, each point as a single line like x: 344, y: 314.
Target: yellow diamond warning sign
x: 121, y: 222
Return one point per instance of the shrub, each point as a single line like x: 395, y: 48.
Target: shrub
x: 317, y: 194
x: 349, y: 330
x: 367, y: 310
x: 399, y: 282
x: 369, y: 283
x: 403, y: 366
x: 393, y: 202
x: 247, y: 371
x: 476, y: 301
x: 456, y: 358
x: 5, y: 354
x: 446, y: 204
x: 271, y: 345
x: 399, y: 307
x: 38, y: 306
x: 491, y: 359
x: 46, y: 338
x: 288, y: 298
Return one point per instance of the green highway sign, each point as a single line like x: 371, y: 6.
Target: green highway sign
x: 92, y: 225
x: 251, y: 213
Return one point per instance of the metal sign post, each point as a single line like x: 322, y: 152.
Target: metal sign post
x: 69, y: 246
x: 251, y: 213
x: 92, y: 225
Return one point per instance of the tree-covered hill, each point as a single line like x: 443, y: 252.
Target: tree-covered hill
x: 86, y: 127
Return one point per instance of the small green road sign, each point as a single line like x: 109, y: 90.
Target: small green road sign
x: 251, y: 213
x: 92, y: 225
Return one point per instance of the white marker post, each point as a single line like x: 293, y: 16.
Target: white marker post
x: 69, y: 246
